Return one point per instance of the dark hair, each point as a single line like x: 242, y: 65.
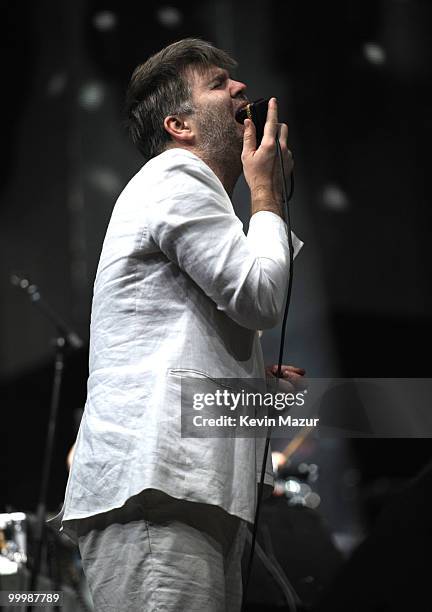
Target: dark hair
x: 159, y: 88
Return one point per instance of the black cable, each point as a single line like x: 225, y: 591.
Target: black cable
x: 286, y: 199
x: 291, y: 256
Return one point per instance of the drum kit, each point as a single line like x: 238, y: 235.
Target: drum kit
x: 61, y: 568
x: 13, y: 542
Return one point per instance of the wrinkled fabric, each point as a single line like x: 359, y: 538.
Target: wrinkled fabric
x: 180, y: 291
x: 157, y: 553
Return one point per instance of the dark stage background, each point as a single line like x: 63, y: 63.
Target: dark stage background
x: 353, y: 83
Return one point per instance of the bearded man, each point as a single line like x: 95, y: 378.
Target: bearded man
x: 180, y: 294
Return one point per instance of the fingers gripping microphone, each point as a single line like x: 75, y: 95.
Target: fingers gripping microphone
x: 256, y: 112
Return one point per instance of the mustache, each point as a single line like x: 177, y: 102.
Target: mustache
x: 243, y: 99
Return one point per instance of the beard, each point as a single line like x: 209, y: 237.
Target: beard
x: 220, y: 137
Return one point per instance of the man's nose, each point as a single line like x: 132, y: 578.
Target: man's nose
x: 236, y: 88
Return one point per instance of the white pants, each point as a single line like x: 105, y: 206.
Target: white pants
x: 162, y: 554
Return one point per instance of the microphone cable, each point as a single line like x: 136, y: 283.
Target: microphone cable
x: 286, y: 199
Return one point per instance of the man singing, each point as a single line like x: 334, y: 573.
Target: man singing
x: 180, y: 294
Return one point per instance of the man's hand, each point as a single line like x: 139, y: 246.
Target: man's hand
x: 261, y: 166
x: 292, y: 377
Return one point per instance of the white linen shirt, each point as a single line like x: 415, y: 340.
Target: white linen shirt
x: 180, y: 291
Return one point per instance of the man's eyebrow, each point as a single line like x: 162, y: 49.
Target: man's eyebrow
x: 219, y: 73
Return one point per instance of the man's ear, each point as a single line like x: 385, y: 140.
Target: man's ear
x: 180, y: 130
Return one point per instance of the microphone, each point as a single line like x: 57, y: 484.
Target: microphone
x: 257, y: 112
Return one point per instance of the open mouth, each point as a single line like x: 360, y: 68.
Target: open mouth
x: 241, y: 113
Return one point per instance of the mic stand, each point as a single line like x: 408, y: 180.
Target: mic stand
x: 60, y: 345
x: 65, y: 337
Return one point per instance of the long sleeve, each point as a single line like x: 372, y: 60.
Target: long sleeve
x: 194, y: 225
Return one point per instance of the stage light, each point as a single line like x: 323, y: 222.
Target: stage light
x: 104, y: 21
x: 292, y: 486
x: 105, y: 180
x: 169, y: 16
x: 374, y: 53
x: 91, y: 95
x: 334, y: 198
